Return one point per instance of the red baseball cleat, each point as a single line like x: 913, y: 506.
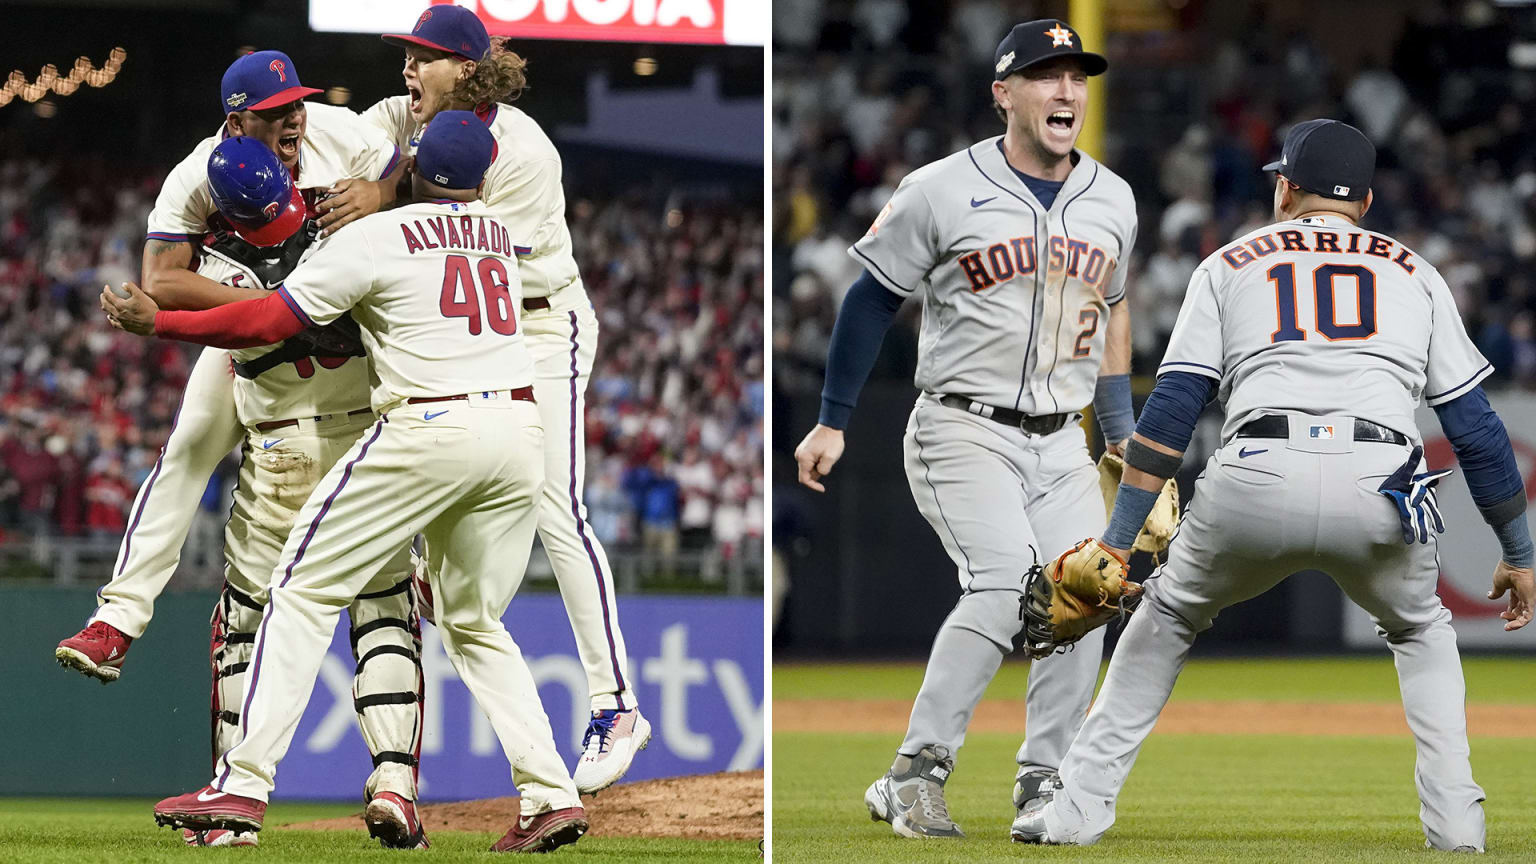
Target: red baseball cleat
x: 545, y: 832
x: 97, y: 651
x: 392, y: 819
x: 209, y: 808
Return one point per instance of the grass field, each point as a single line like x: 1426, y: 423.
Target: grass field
x: 122, y: 831
x: 1231, y: 797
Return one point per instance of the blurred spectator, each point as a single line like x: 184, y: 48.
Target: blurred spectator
x: 677, y: 284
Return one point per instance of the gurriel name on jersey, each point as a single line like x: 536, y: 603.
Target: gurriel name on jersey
x: 1240, y: 255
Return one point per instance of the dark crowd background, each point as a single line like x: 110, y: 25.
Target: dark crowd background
x: 670, y: 246
x: 1199, y: 96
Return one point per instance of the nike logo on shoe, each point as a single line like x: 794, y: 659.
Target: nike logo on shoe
x: 205, y: 797
x: 975, y: 203
x: 1244, y: 452
x: 269, y: 443
x: 524, y: 821
x: 433, y: 415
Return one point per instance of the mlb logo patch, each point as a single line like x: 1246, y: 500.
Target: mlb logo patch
x: 1322, y: 432
x: 1341, y: 190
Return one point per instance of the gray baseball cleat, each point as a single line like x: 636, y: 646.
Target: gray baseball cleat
x: 1033, y: 784
x: 911, y: 795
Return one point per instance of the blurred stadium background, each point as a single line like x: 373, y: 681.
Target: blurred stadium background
x: 1284, y: 740
x: 660, y: 128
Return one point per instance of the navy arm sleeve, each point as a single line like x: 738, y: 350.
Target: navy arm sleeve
x: 867, y: 313
x: 1170, y: 414
x: 1487, y: 460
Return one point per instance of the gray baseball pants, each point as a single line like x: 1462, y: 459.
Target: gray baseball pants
x: 1263, y: 509
x: 1001, y: 500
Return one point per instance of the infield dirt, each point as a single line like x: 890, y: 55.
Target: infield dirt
x: 1192, y: 717
x: 727, y: 806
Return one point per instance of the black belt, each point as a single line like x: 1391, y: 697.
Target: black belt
x: 532, y: 304
x: 1279, y: 426
x: 1036, y: 424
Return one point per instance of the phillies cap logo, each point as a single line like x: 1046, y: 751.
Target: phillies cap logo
x: 270, y: 211
x: 425, y: 17
x: 278, y: 66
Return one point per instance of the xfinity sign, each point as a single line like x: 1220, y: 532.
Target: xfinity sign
x: 704, y: 22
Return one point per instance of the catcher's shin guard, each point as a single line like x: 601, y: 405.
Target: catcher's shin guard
x: 236, y: 618
x: 387, y: 691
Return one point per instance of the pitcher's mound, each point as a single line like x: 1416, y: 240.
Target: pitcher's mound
x: 725, y: 806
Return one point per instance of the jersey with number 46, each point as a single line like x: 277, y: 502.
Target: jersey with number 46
x: 1015, y: 295
x: 435, y: 290
x: 1319, y: 316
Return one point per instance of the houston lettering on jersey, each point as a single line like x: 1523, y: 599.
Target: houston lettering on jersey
x: 469, y: 233
x: 1016, y: 257
x: 1240, y: 255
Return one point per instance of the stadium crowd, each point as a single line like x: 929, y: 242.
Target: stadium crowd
x: 867, y: 90
x: 674, y: 411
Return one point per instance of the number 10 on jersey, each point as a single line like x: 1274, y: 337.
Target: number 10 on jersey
x: 1326, y: 317
x: 462, y: 297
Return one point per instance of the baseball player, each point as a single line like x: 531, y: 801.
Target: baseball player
x: 1320, y: 338
x: 1018, y: 246
x: 292, y: 411
x: 456, y: 454
x: 451, y: 63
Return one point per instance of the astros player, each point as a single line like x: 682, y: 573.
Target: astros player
x: 1018, y: 246
x: 451, y: 63
x: 1320, y: 337
x: 291, y: 413
x: 456, y: 454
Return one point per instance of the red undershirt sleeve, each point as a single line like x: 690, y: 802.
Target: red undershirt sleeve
x: 247, y: 324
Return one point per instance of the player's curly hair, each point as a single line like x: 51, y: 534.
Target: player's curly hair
x: 499, y: 77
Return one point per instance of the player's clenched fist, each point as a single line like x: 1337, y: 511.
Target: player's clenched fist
x: 817, y: 454
x: 1520, y: 582
x: 129, y: 308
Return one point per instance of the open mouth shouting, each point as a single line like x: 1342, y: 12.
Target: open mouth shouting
x: 288, y: 147
x: 416, y: 97
x: 1060, y: 124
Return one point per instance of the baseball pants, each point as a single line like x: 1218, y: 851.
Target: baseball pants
x: 1280, y: 507
x: 1001, y: 500
x: 470, y: 480
x: 278, y: 471
x: 204, y: 431
x: 563, y: 342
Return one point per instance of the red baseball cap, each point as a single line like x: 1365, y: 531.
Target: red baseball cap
x: 450, y: 29
x: 260, y: 80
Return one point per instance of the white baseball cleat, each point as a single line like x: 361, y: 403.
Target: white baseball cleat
x: 612, y: 740
x: 1030, y: 827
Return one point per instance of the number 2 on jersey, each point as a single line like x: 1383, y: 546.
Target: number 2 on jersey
x: 461, y: 299
x: 1289, y: 329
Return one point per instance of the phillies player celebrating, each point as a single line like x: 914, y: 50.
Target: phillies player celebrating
x: 456, y: 454
x: 1018, y: 246
x: 1320, y: 338
x: 451, y: 63
x: 287, y: 417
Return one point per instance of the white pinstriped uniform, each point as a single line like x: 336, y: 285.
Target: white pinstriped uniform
x: 523, y: 188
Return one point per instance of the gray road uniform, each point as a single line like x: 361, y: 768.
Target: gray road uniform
x: 1016, y: 299
x: 1337, y: 332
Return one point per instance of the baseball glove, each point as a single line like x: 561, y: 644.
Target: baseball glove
x: 1158, y: 530
x: 1072, y: 596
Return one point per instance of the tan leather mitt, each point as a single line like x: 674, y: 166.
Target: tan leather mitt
x: 1072, y: 596
x: 1158, y: 530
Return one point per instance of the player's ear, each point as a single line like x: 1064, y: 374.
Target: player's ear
x: 1368, y: 198
x: 467, y: 70
x: 235, y: 123
x: 1000, y: 96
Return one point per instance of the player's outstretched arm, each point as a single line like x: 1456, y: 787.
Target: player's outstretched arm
x: 1487, y: 460
x: 265, y: 320
x: 171, y: 285
x: 866, y: 314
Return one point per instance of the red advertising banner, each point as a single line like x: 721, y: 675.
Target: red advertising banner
x: 699, y: 22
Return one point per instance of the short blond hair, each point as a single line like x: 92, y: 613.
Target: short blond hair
x: 499, y: 77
